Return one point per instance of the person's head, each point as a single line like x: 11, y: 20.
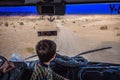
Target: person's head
x: 46, y: 50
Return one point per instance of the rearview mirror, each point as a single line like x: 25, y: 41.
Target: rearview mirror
x: 51, y: 9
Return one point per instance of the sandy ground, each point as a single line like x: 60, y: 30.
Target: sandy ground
x: 76, y: 34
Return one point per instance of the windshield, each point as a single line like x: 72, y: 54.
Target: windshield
x: 76, y: 33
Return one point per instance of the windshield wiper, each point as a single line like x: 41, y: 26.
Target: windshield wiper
x: 91, y: 51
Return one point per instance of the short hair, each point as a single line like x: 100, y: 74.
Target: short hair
x: 46, y: 49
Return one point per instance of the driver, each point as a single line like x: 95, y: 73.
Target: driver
x: 46, y: 51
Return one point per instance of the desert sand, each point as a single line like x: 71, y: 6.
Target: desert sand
x: 76, y: 34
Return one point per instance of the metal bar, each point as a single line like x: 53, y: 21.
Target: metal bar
x: 89, y: 1
x: 91, y: 51
x: 35, y: 55
x: 34, y: 2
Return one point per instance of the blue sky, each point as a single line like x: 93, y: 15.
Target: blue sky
x: 70, y: 9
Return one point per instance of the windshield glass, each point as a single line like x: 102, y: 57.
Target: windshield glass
x: 74, y: 34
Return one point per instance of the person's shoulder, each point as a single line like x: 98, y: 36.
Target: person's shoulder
x: 38, y: 64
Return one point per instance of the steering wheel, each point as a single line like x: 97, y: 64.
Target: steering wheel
x: 2, y: 60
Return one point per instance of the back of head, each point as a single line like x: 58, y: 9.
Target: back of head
x: 46, y: 49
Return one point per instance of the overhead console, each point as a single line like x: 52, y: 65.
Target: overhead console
x: 51, y: 9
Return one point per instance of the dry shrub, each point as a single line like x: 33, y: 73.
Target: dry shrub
x: 58, y: 17
x: 104, y: 27
x: 63, y: 22
x: 41, y: 18
x: 1, y: 23
x: 83, y: 26
x: 14, y: 26
x: 118, y: 34
x: 21, y: 23
x: 30, y: 50
x: 86, y: 20
x: 73, y: 21
x: 75, y: 31
x: 6, y: 24
x: 116, y: 28
x: 11, y: 23
x: 34, y: 27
